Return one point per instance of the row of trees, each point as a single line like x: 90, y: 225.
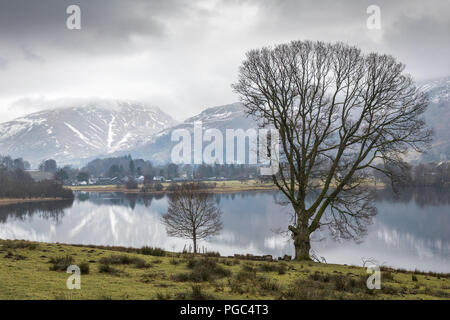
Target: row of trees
x: 48, y: 166
x: 16, y: 183
x: 230, y: 171
x: 118, y: 167
x: 10, y: 163
x: 126, y: 166
x: 422, y: 175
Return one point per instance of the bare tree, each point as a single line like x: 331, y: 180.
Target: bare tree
x: 338, y: 112
x: 192, y: 213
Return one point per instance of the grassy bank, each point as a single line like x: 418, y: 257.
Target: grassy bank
x: 30, y: 270
x: 228, y: 186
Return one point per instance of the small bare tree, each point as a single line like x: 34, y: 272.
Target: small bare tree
x: 192, y: 213
x: 338, y: 112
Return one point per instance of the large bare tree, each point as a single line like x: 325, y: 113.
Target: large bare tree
x: 339, y: 112
x: 192, y: 213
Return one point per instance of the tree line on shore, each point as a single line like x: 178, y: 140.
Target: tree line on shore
x: 430, y: 174
x: 127, y: 167
x: 17, y: 183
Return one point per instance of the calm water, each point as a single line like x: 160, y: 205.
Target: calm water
x: 411, y: 231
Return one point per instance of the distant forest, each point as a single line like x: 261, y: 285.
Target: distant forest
x: 17, y: 183
x: 421, y: 175
x: 126, y: 166
x: 430, y: 174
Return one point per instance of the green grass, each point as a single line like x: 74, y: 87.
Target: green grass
x: 31, y: 270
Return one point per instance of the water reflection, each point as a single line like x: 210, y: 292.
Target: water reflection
x: 47, y: 210
x: 411, y: 230
x: 422, y: 197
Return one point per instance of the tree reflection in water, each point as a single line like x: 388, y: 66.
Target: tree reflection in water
x: 47, y: 210
x: 411, y: 229
x: 422, y: 196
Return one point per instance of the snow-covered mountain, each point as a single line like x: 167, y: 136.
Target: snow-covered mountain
x: 76, y: 133
x: 437, y: 117
x: 438, y: 90
x: 231, y: 116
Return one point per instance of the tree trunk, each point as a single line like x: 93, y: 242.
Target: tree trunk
x: 302, y: 243
x: 195, y: 244
x: 302, y: 247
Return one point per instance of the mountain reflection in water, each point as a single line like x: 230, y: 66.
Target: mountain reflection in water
x: 411, y: 229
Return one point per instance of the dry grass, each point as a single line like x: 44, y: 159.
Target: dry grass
x: 227, y: 186
x: 26, y: 272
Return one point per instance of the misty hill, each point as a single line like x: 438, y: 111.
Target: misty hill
x: 231, y: 116
x: 75, y: 133
x: 437, y: 117
x: 101, y: 129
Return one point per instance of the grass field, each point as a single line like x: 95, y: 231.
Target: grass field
x: 227, y: 186
x: 31, y: 270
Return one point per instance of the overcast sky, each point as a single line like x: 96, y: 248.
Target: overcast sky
x: 183, y: 55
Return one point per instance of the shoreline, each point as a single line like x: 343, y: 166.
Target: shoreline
x: 222, y: 187
x: 139, y: 192
x: 8, y: 201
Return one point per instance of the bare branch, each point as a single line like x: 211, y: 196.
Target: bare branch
x: 192, y: 214
x: 339, y: 112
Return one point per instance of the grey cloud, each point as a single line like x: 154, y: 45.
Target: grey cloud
x: 423, y: 42
x: 31, y: 56
x: 414, y: 31
x: 183, y: 54
x: 106, y: 24
x: 3, y: 63
x: 111, y: 26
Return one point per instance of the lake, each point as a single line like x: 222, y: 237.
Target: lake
x: 411, y: 230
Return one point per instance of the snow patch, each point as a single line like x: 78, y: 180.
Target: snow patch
x: 110, y: 132
x: 82, y: 137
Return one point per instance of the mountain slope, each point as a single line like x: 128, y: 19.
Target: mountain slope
x: 75, y: 133
x: 78, y: 133
x: 437, y: 117
x: 231, y: 116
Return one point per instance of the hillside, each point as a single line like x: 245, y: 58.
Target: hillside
x: 104, y: 128
x: 437, y: 117
x: 76, y: 133
x: 224, y: 117
x: 30, y: 270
